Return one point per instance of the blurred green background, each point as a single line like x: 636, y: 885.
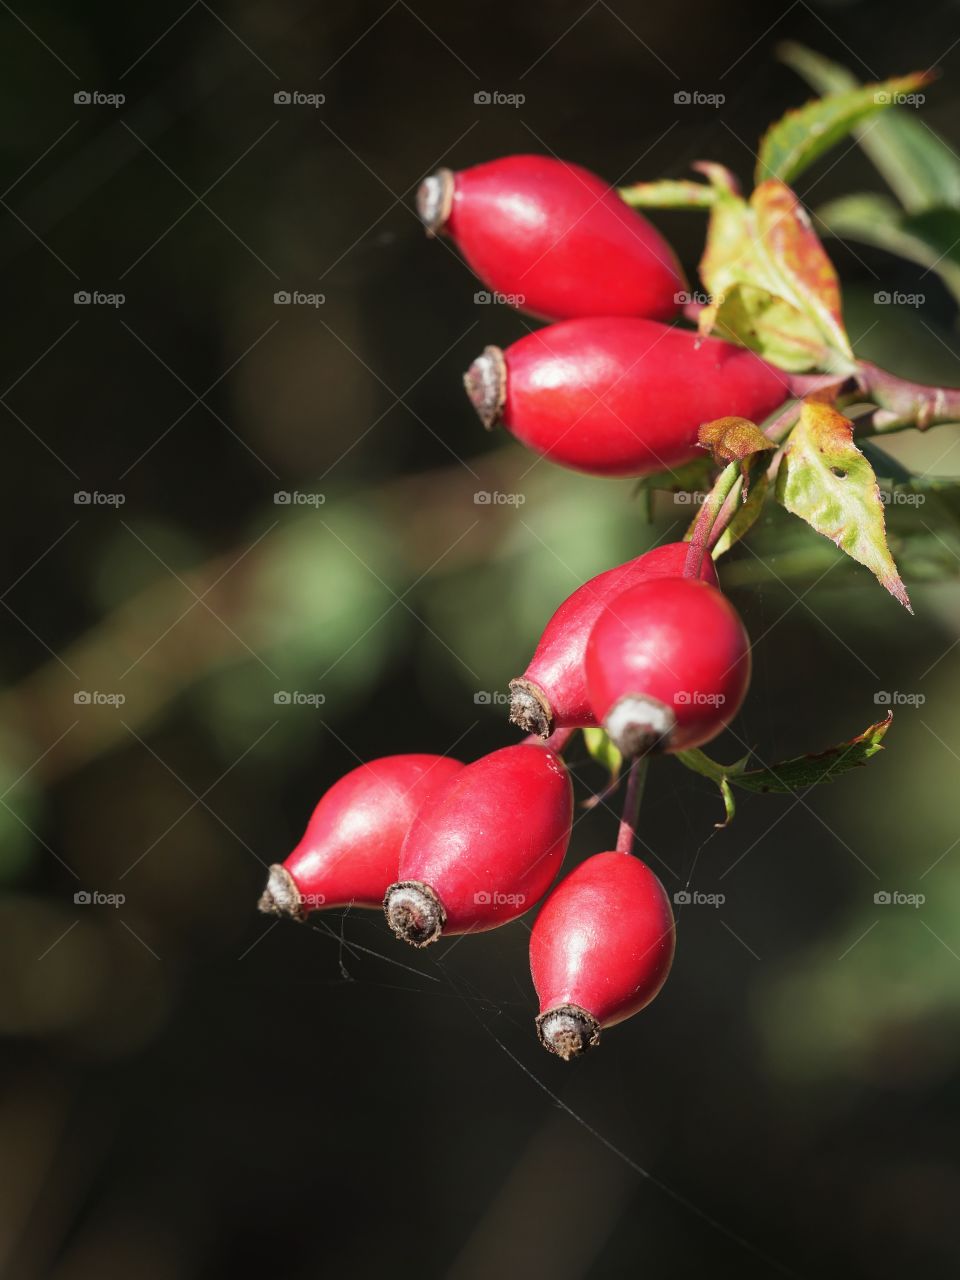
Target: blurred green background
x: 192, y: 1091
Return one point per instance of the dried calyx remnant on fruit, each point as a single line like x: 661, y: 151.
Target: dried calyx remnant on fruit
x: 618, y: 396
x: 350, y: 851
x: 552, y: 692
x: 667, y: 665
x: 553, y: 239
x: 485, y: 848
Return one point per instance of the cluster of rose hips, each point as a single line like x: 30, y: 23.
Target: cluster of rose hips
x: 651, y: 650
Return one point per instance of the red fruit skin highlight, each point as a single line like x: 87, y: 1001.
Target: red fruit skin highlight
x: 485, y: 848
x: 673, y: 649
x: 552, y: 692
x: 619, y: 396
x: 557, y: 238
x: 350, y: 851
x: 602, y: 946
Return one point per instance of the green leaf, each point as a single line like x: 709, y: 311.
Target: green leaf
x: 802, y: 136
x: 878, y: 221
x: 808, y: 771
x: 789, y: 775
x: 919, y: 166
x: 668, y: 194
x: 827, y: 481
x: 746, y: 517
x: 603, y: 751
x: 772, y: 286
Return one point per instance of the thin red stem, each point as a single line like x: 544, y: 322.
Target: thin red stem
x: 631, y: 804
x: 707, y: 518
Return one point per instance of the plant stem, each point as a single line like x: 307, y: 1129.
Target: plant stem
x: 725, y: 514
x: 631, y: 804
x: 707, y: 517
x: 906, y: 404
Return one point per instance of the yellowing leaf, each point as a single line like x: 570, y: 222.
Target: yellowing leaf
x: 826, y: 480
x: 787, y: 236
x: 772, y: 286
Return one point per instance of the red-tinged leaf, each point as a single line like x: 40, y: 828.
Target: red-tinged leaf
x: 787, y: 236
x: 826, y: 480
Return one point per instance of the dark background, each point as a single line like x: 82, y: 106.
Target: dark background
x: 191, y: 1091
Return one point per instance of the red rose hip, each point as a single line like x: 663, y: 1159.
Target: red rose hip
x: 600, y: 950
x: 552, y: 692
x: 485, y: 848
x: 350, y: 850
x: 667, y: 665
x: 553, y: 238
x: 619, y: 396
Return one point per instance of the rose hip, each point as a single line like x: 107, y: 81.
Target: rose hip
x: 553, y: 238
x: 484, y: 848
x: 667, y: 665
x: 552, y: 692
x: 350, y: 850
x: 619, y: 396
x: 600, y: 950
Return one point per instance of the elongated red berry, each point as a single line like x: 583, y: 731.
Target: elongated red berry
x: 350, y: 850
x: 600, y: 950
x: 552, y: 692
x: 485, y: 848
x: 619, y: 396
x: 554, y: 239
x: 668, y: 665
